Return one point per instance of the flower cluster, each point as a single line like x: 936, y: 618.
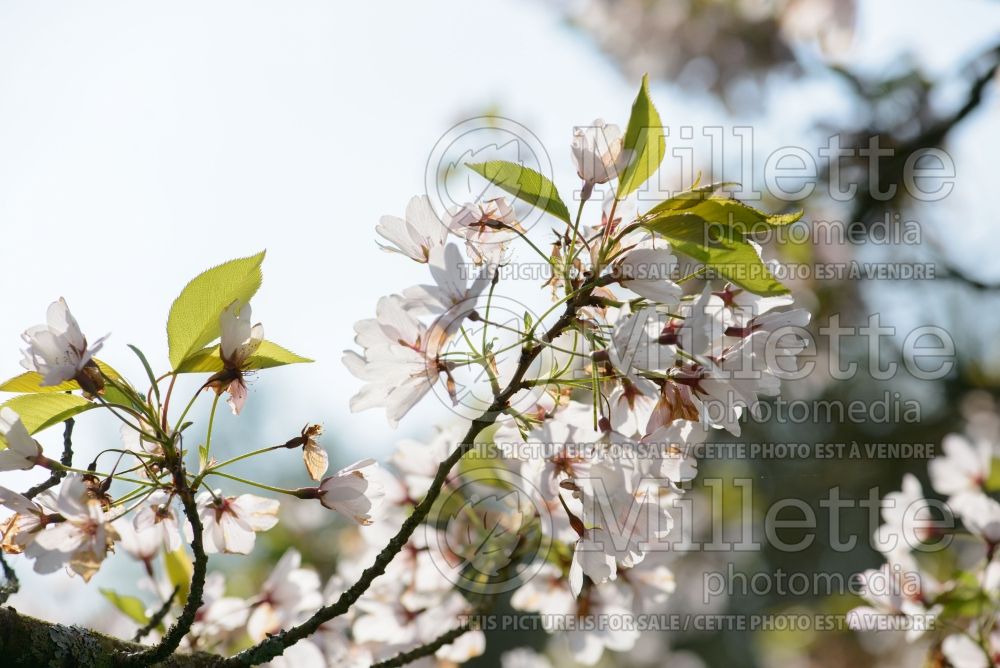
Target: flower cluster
x: 556, y: 483
x: 941, y: 574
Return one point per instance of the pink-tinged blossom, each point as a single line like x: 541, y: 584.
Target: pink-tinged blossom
x: 597, y: 152
x: 230, y: 523
x: 238, y: 342
x: 288, y: 594
x: 487, y: 228
x: 352, y: 491
x: 81, y: 540
x: 399, y: 365
x: 452, y: 297
x: 30, y: 517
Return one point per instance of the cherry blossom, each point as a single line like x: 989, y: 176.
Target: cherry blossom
x: 230, y: 523
x: 961, y: 472
x: 239, y: 341
x: 58, y: 351
x: 597, y: 152
x: 352, y: 492
x: 287, y: 594
x: 486, y: 228
x: 22, y: 451
x: 416, y: 235
x: 400, y: 362
x: 81, y: 540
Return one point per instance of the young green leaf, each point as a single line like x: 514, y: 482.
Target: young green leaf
x: 31, y: 381
x: 724, y: 250
x: 179, y: 570
x: 644, y: 143
x: 268, y: 355
x: 41, y: 411
x: 690, y: 197
x: 525, y: 184
x: 131, y: 606
x: 149, y: 370
x: 726, y: 212
x: 194, y: 316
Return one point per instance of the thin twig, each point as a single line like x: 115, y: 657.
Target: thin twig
x: 404, y: 658
x: 157, y: 618
x: 65, y: 460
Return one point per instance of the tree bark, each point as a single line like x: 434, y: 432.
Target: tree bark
x: 34, y: 643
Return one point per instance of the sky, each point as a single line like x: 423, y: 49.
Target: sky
x: 141, y: 143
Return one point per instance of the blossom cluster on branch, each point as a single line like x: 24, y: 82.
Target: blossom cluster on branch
x: 555, y: 484
x: 941, y: 577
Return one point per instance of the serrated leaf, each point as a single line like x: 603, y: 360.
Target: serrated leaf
x: 130, y: 606
x: 179, y: 571
x: 726, y: 251
x: 268, y: 356
x: 194, y: 316
x: 724, y: 212
x: 525, y: 184
x: 693, y: 195
x: 41, y: 411
x: 644, y: 142
x: 31, y: 381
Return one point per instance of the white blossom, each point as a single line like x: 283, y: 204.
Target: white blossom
x: 961, y: 472
x: 230, y: 523
x: 286, y: 597
x: 81, y: 540
x: 352, y: 492
x: 22, y: 451
x: 418, y: 234
x: 399, y: 365
x: 597, y: 152
x: 58, y: 350
x: 647, y: 272
x: 452, y: 297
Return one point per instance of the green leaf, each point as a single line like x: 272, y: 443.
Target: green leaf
x: 41, y: 411
x: 179, y: 570
x: 992, y: 484
x: 194, y: 316
x: 31, y: 381
x: 723, y: 212
x: 722, y: 249
x: 149, y: 370
x: 644, y: 142
x: 132, y: 607
x: 690, y: 197
x: 268, y: 355
x: 525, y: 184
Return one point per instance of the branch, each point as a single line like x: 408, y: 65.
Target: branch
x: 171, y: 640
x: 26, y: 642
x: 274, y: 645
x: 404, y: 658
x: 65, y: 460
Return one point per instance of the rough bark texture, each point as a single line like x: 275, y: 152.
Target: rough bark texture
x: 32, y: 643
